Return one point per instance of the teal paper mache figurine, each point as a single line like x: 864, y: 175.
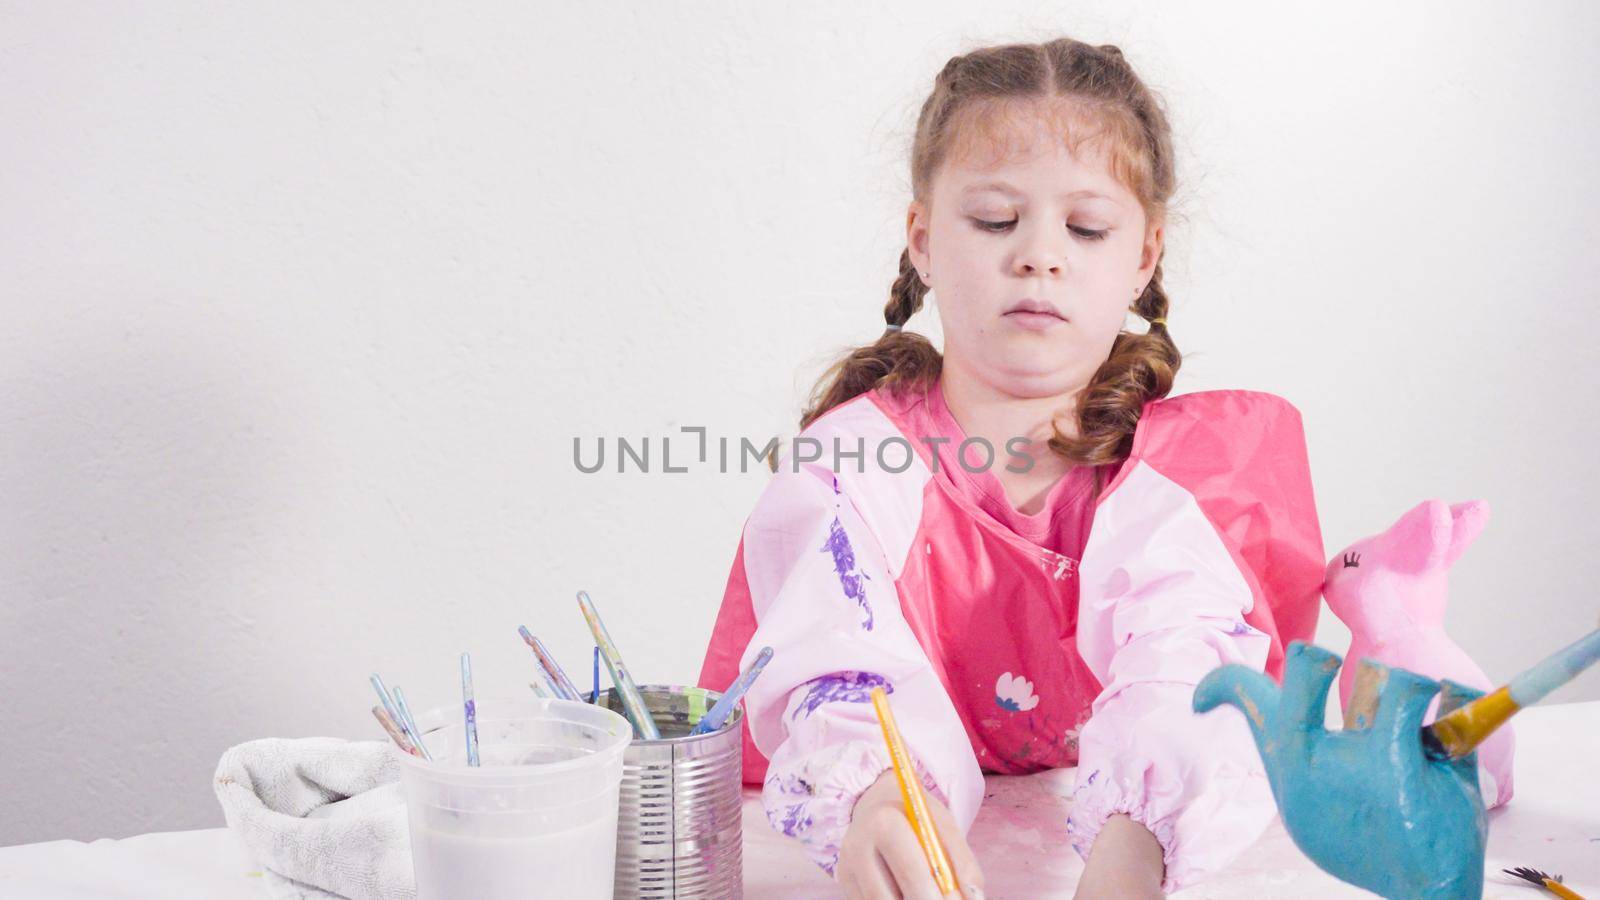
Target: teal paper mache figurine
x: 1365, y: 803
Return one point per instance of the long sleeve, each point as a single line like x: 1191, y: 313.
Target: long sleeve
x: 1167, y: 584
x: 823, y: 598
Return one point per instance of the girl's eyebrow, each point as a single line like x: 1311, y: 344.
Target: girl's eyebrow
x: 1005, y: 188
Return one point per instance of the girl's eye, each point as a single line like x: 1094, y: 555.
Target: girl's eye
x: 998, y: 227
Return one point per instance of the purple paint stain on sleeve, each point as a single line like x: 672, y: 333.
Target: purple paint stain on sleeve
x: 844, y: 563
x: 794, y: 818
x: 1084, y: 783
x: 791, y: 818
x: 841, y: 687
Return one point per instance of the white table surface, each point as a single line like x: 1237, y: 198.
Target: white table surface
x: 1553, y: 823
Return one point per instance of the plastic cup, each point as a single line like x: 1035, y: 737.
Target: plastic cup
x: 538, y: 817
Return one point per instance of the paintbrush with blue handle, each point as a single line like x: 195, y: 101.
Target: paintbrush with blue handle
x: 723, y: 708
x: 1455, y: 735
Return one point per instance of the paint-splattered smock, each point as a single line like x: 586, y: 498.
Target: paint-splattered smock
x: 1012, y: 643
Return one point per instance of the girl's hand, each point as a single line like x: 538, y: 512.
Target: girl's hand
x: 1125, y: 862
x: 880, y: 859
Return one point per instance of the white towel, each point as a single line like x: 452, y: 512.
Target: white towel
x: 323, y: 817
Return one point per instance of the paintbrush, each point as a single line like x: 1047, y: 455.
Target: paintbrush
x: 395, y: 715
x: 916, y: 802
x: 395, y: 734
x: 1553, y: 885
x: 632, y: 701
x: 470, y: 708
x: 410, y: 723
x: 724, y: 707
x: 550, y: 688
x: 1455, y: 735
x: 564, y: 688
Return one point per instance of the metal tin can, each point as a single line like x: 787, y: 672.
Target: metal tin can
x: 679, y: 811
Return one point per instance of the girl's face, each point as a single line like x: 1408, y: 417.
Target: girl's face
x: 1042, y: 229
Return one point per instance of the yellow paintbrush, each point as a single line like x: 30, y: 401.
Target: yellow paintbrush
x: 916, y: 802
x: 1455, y: 735
x: 1553, y: 885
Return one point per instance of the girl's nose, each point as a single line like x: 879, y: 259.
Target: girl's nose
x: 1028, y: 268
x: 1040, y: 255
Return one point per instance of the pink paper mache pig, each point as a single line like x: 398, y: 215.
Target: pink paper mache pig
x: 1391, y: 590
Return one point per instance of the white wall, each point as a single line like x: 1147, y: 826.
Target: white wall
x: 304, y: 304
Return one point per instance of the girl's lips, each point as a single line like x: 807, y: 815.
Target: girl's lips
x: 1034, y: 321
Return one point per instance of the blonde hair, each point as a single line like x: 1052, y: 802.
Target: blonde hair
x: 973, y: 97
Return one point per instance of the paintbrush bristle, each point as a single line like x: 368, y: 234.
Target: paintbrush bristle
x: 1533, y: 875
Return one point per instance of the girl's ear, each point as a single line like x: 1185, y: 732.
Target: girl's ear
x: 1155, y: 238
x: 917, y: 224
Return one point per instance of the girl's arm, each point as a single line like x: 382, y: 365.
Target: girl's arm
x: 825, y: 600
x: 1193, y: 782
x: 1125, y: 863
x: 1167, y: 580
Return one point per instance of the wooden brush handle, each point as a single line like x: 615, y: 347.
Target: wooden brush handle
x: 1561, y: 890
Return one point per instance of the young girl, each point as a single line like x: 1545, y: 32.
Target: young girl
x: 1026, y: 542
